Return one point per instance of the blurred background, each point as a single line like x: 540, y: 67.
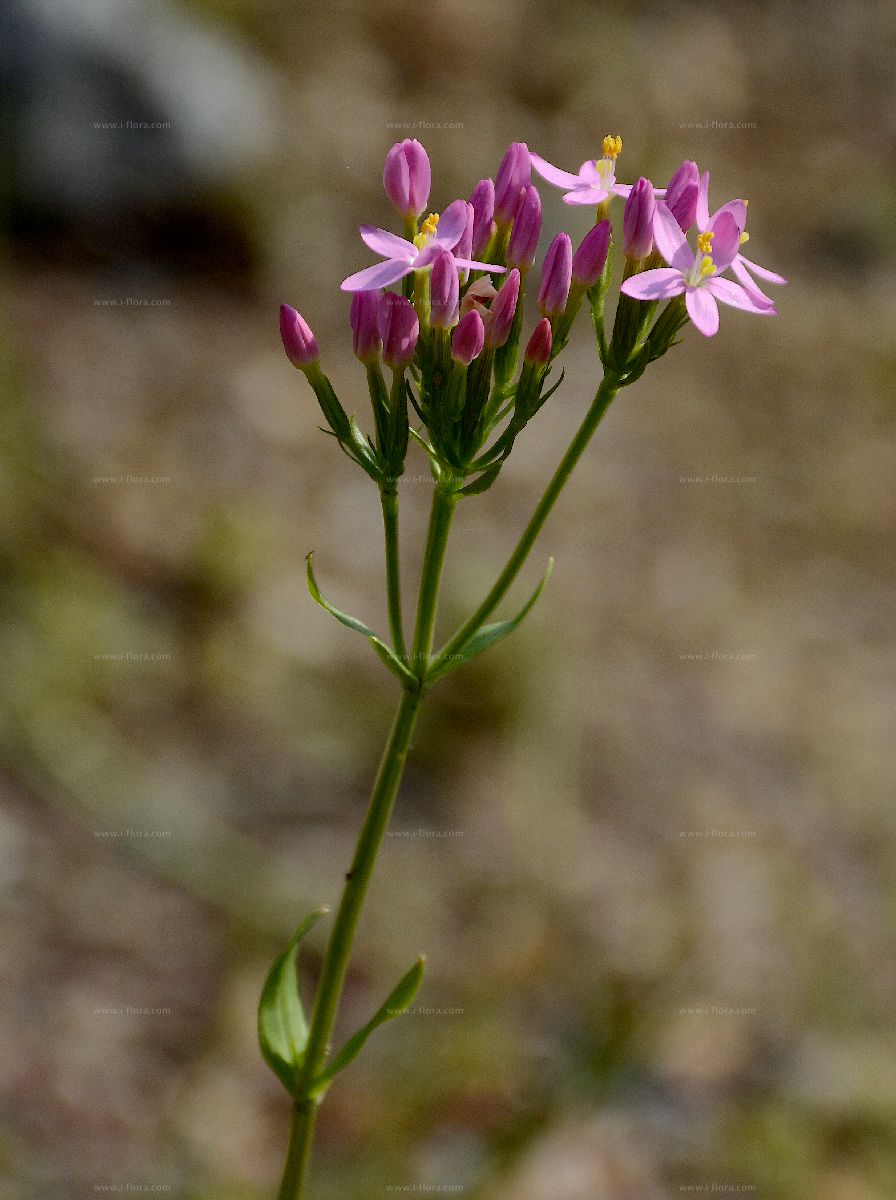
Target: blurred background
x: 647, y: 843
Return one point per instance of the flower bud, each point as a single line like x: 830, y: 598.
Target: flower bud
x: 299, y: 342
x: 556, y: 276
x: 483, y: 201
x: 514, y: 174
x: 444, y: 292
x: 468, y: 339
x: 538, y: 348
x: 681, y: 194
x: 406, y: 177
x: 501, y: 313
x: 588, y: 261
x: 399, y: 329
x: 364, y: 318
x: 637, y: 220
x: 526, y: 229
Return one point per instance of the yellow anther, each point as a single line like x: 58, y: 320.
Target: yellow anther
x: 704, y: 242
x: 420, y: 240
x: 707, y: 267
x: 430, y: 225
x: 612, y: 146
x: 744, y: 237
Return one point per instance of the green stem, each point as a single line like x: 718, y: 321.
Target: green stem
x: 376, y: 820
x: 443, y: 506
x: 389, y: 500
x: 605, y: 395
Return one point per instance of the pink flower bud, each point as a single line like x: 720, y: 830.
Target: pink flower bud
x: 526, y: 229
x: 637, y: 220
x: 591, y: 256
x: 681, y: 194
x: 299, y: 342
x: 399, y: 329
x: 444, y: 291
x: 538, y: 349
x: 468, y: 339
x: 406, y: 177
x: 364, y: 318
x: 514, y: 174
x: 556, y: 276
x: 483, y: 201
x: 501, y: 313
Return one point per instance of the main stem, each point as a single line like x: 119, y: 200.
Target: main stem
x: 379, y: 810
x: 605, y: 394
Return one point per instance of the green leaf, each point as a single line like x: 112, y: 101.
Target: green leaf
x: 384, y: 652
x: 484, y: 481
x: 394, y: 1006
x: 488, y: 634
x: 282, y: 1029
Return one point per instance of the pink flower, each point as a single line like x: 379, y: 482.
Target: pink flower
x: 513, y: 175
x: 437, y: 234
x: 406, y: 177
x: 538, y: 348
x: 741, y: 267
x: 299, y: 342
x: 468, y: 339
x: 681, y: 194
x: 366, y: 341
x: 596, y: 180
x: 695, y: 274
x: 637, y: 220
x: 399, y: 329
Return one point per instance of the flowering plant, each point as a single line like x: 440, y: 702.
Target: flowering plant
x: 461, y: 389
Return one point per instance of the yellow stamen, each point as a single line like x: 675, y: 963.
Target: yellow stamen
x: 704, y: 242
x: 430, y: 225
x: 744, y: 237
x: 707, y: 267
x: 612, y: 146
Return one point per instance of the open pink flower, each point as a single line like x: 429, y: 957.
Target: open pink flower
x: 437, y: 235
x: 743, y: 268
x: 596, y: 180
x: 695, y: 274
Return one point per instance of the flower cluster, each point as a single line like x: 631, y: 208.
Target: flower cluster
x: 451, y: 328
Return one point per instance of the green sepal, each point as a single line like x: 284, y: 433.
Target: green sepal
x: 358, y: 448
x: 488, y: 634
x: 282, y: 1029
x: 396, y: 1003
x: 384, y: 652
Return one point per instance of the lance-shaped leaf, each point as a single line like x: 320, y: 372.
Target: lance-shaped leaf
x: 388, y: 656
x: 394, y: 1006
x: 487, y: 635
x: 282, y: 1029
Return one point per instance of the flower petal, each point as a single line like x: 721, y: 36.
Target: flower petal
x: 586, y: 195
x: 552, y: 174
x: 726, y: 240
x: 375, y: 277
x: 669, y: 239
x: 390, y: 245
x: 470, y: 264
x: 740, y: 271
x: 737, y: 297
x: 738, y: 210
x: 658, y: 284
x: 703, y: 310
x: 451, y: 225
x: 703, y: 202
x: 762, y: 272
